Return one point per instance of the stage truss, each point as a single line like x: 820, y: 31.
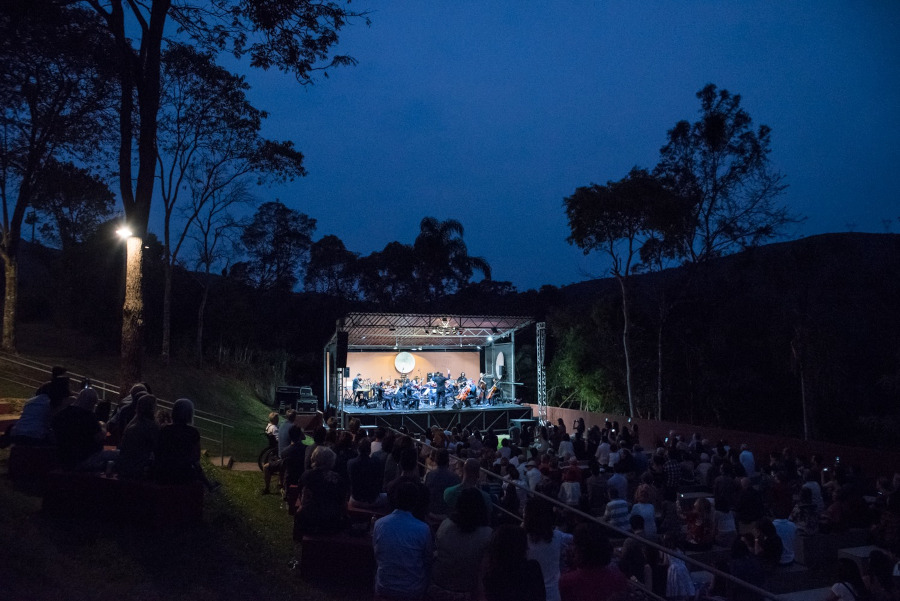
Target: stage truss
x: 416, y: 331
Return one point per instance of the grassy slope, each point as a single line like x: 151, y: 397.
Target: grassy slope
x: 211, y: 391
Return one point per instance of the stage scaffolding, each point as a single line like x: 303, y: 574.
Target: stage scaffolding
x: 493, y: 337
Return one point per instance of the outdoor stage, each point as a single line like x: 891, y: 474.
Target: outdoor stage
x: 500, y: 417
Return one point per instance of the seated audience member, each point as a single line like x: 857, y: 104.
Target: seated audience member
x: 322, y: 506
x: 631, y: 555
x: 139, y: 440
x: 403, y: 549
x: 787, y: 532
x: 470, y: 479
x: 546, y: 544
x: 409, y: 472
x: 570, y: 489
x: 616, y: 513
x: 365, y: 479
x: 880, y: 580
x: 749, y: 506
x: 811, y: 481
x: 460, y: 543
x: 837, y: 516
x: 33, y: 427
x: 805, y: 514
x: 509, y: 574
x: 293, y: 459
x: 700, y: 524
x: 438, y: 481
x: 765, y: 543
x: 79, y: 435
x: 679, y: 585
x: 283, y: 429
x: 177, y: 458
x: 596, y: 489
x: 593, y: 579
x: 125, y: 413
x: 644, y: 508
x: 726, y: 528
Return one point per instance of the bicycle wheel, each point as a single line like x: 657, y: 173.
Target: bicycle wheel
x: 265, y: 456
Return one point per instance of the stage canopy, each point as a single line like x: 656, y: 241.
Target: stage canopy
x: 384, y: 331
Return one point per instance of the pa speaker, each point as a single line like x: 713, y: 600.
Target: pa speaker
x: 346, y: 372
x: 481, y: 359
x: 502, y: 371
x: 340, y: 357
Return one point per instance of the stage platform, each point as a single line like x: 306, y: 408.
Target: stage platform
x: 499, y: 417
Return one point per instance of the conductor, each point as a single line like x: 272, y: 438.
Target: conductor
x: 440, y: 381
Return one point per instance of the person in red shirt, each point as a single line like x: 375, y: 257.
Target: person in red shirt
x: 593, y: 579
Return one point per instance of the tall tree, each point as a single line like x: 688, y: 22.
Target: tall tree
x: 719, y: 165
x: 444, y: 265
x: 215, y: 234
x: 209, y: 138
x: 294, y: 36
x: 277, y: 241
x: 616, y: 219
x: 54, y: 94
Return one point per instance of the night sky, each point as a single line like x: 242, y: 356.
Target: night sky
x: 492, y: 112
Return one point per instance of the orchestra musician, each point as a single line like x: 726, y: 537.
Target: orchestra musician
x: 358, y: 396
x: 381, y: 398
x: 494, y: 394
x: 440, y: 383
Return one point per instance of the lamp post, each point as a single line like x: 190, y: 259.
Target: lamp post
x: 132, y: 311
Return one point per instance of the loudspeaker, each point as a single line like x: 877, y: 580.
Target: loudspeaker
x: 340, y: 356
x: 502, y: 371
x: 481, y: 357
x: 346, y: 372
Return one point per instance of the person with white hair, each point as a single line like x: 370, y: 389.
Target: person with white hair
x: 80, y: 436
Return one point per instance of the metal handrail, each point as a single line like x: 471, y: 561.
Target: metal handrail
x: 622, y: 533
x: 218, y: 423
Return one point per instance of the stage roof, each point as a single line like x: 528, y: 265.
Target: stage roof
x: 421, y: 332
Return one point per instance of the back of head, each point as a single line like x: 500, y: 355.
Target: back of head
x: 508, y: 548
x: 471, y: 468
x: 295, y: 434
x: 406, y: 496
x: 137, y: 388
x: 408, y: 460
x: 592, y: 546
x: 364, y: 448
x: 87, y: 399
x: 442, y: 458
x: 183, y: 411
x: 470, y: 512
x: 323, y: 458
x: 539, y: 519
x: 146, y: 407
x: 57, y: 389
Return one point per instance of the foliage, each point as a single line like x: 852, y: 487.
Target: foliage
x: 332, y: 269
x: 277, y: 241
x: 75, y: 200
x: 719, y: 166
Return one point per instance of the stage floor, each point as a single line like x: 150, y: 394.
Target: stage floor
x: 499, y: 417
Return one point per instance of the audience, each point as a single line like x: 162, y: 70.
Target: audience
x: 509, y: 573
x: 403, y: 549
x: 460, y: 544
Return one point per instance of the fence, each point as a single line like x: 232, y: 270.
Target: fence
x: 29, y: 374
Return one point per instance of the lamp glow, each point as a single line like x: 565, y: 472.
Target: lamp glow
x: 124, y: 232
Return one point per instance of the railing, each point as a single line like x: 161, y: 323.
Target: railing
x: 30, y: 374
x: 618, y: 533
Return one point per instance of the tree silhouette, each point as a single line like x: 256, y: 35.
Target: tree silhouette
x: 277, y: 241
x: 443, y: 262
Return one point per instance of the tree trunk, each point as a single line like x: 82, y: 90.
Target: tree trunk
x: 659, y: 368
x: 11, y: 299
x: 167, y: 314
x: 132, y: 315
x: 200, y: 313
x: 626, y: 333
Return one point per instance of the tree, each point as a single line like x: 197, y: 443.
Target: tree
x: 444, y: 264
x: 54, y: 94
x: 214, y: 228
x: 209, y: 138
x: 75, y: 200
x: 294, y: 36
x: 388, y: 277
x: 616, y: 219
x: 277, y: 240
x: 332, y: 269
x: 719, y: 166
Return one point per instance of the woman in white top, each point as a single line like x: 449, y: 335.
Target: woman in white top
x: 546, y: 545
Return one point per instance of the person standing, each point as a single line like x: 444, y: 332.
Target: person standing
x: 403, y: 549
x: 440, y: 381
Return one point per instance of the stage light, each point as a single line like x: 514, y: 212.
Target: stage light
x: 490, y: 338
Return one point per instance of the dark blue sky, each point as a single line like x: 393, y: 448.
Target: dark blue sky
x: 492, y: 112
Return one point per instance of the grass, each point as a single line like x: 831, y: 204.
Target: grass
x: 241, y: 551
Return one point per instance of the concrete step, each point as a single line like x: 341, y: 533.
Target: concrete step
x: 245, y: 466
x: 227, y: 462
